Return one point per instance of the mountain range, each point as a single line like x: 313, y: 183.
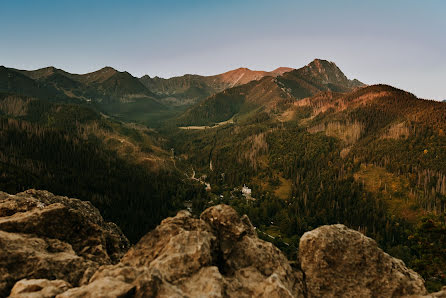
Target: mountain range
x: 122, y: 95
x: 269, y: 93
x: 189, y: 88
x: 108, y: 84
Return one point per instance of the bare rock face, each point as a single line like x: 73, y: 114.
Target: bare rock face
x: 27, y: 256
x: 106, y: 287
x: 440, y: 294
x: 38, y: 288
x: 338, y: 261
x: 53, y: 237
x: 218, y: 255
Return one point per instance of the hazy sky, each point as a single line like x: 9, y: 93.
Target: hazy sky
x: 398, y: 42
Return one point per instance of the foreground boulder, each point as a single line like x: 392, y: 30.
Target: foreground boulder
x: 338, y: 261
x: 61, y: 247
x: 39, y: 288
x: 218, y: 255
x: 53, y: 237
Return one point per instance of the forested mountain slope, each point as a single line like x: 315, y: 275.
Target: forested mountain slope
x: 115, y: 93
x: 189, y: 89
x: 106, y: 84
x: 72, y: 150
x: 269, y: 93
x: 372, y: 158
x: 146, y: 100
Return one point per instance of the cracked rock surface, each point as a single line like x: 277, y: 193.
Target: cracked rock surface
x: 44, y: 236
x: 61, y: 247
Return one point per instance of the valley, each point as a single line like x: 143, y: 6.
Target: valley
x: 314, y: 147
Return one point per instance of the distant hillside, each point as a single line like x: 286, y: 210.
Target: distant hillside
x: 269, y: 93
x: 146, y: 100
x: 179, y: 91
x: 13, y: 81
x: 115, y: 93
x: 104, y: 85
x: 189, y: 89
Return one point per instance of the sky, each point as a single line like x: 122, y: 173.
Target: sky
x: 397, y: 42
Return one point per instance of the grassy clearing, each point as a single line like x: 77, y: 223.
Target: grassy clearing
x: 230, y: 121
x: 284, y: 190
x: 394, y: 189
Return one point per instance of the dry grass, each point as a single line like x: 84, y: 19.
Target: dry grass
x: 284, y: 190
x: 286, y: 116
x: 257, y: 146
x: 394, y: 188
x: 14, y: 105
x: 349, y: 132
x: 397, y: 131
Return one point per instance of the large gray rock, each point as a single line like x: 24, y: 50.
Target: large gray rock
x: 44, y: 236
x: 340, y: 262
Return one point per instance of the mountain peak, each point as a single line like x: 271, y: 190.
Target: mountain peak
x: 322, y: 66
x: 240, y: 70
x: 107, y: 69
x: 99, y: 75
x: 44, y: 72
x: 327, y: 72
x: 281, y: 70
x: 48, y: 68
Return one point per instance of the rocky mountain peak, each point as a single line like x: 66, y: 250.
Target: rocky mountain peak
x: 327, y: 72
x: 322, y: 64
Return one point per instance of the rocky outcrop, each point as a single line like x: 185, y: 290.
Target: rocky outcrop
x: 338, y: 261
x: 216, y: 255
x: 53, y: 237
x: 39, y: 288
x: 440, y: 294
